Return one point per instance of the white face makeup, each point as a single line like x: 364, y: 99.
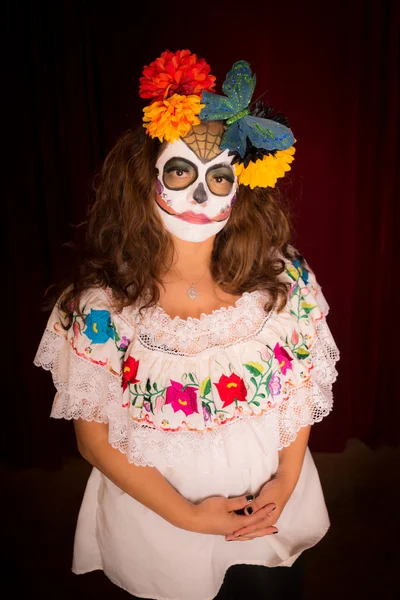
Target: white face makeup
x: 196, y: 185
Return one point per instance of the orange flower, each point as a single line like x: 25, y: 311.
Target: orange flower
x: 180, y: 73
x: 172, y: 118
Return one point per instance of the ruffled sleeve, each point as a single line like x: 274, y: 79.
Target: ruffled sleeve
x: 304, y: 355
x: 86, y: 360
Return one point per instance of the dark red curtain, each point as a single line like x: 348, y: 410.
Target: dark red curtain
x: 71, y: 73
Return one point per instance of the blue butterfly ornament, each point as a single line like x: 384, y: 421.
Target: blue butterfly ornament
x: 233, y: 108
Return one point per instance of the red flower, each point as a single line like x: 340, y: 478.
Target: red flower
x: 283, y: 358
x: 129, y: 372
x: 230, y: 389
x: 180, y: 73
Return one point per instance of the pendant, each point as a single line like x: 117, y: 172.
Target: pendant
x: 192, y: 292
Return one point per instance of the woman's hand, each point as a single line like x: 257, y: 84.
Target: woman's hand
x: 217, y: 515
x: 275, y: 493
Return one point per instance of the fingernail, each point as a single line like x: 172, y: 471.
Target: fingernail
x: 250, y: 498
x: 249, y: 510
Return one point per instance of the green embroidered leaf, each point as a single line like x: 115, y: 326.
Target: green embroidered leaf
x: 155, y: 386
x: 267, y: 384
x: 307, y: 307
x: 256, y: 365
x: 191, y: 378
x: 206, y: 406
x: 302, y: 353
x: 253, y: 369
x: 205, y: 387
x: 256, y: 403
x: 261, y: 395
x: 293, y: 272
x: 148, y: 386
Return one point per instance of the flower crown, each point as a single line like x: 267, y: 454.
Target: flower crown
x: 182, y: 95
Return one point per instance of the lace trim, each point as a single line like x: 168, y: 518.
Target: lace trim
x: 93, y: 393
x: 221, y: 328
x: 84, y: 390
x: 208, y: 319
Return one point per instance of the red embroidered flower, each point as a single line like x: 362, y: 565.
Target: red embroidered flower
x: 180, y: 73
x: 230, y: 389
x: 182, y: 399
x: 129, y: 372
x: 283, y: 358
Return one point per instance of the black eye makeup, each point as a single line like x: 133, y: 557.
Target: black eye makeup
x: 220, y: 180
x: 179, y: 173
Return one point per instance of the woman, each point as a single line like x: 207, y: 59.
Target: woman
x: 192, y: 349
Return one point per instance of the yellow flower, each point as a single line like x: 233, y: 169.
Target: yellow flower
x: 266, y: 171
x: 172, y: 118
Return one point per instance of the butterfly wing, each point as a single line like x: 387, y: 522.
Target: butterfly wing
x: 239, y: 85
x: 217, y: 108
x: 238, y: 88
x: 267, y: 134
x: 234, y: 138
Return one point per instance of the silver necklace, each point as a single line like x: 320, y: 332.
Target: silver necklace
x: 192, y: 293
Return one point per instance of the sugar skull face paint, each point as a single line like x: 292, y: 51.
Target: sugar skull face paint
x: 196, y: 184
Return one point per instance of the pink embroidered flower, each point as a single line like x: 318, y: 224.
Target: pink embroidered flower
x: 265, y: 355
x: 274, y: 385
x: 147, y: 405
x: 283, y: 358
x: 230, y: 389
x: 182, y: 399
x: 76, y: 329
x: 159, y: 404
x: 295, y: 337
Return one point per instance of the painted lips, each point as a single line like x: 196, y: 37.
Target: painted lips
x: 190, y: 216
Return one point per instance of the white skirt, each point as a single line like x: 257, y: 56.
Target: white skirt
x: 150, y: 558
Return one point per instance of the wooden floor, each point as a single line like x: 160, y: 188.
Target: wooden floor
x: 357, y: 559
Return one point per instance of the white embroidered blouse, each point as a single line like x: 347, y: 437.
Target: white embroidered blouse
x: 207, y: 401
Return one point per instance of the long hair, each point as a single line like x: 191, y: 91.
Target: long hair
x: 127, y: 247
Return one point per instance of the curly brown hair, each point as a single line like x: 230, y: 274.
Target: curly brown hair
x: 128, y: 248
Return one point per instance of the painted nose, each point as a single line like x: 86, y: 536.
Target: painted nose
x: 200, y: 194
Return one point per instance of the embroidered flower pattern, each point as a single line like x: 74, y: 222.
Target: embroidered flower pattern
x: 231, y: 389
x: 182, y: 398
x: 283, y: 358
x: 129, y: 372
x: 258, y: 384
x: 98, y: 326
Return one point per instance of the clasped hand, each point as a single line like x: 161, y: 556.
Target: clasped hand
x: 220, y: 515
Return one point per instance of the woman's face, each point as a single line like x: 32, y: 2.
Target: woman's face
x: 196, y: 184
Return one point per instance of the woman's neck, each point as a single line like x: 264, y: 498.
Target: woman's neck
x: 191, y: 260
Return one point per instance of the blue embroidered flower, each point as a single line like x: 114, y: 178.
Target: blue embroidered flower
x: 98, y: 326
x: 301, y: 270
